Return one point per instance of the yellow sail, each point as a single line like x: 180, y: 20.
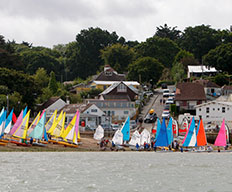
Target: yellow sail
x: 59, y: 128
x: 51, y: 121
x: 55, y: 123
x: 69, y: 131
x: 21, y: 131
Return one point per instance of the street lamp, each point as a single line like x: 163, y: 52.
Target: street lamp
x: 7, y: 103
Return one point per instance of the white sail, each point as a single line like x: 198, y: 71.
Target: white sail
x: 7, y: 129
x: 99, y: 133
x: 118, y: 138
x: 59, y: 126
x: 135, y: 139
x: 193, y: 140
x: 145, y: 137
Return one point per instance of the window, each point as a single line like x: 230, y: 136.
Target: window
x: 121, y: 88
x: 199, y: 109
x: 213, y: 109
x: 223, y: 109
x: 207, y: 109
x: 126, y: 112
x: 94, y: 110
x: 113, y: 113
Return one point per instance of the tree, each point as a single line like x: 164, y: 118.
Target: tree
x: 41, y: 78
x: 146, y: 68
x: 168, y: 32
x: 85, y: 57
x: 118, y: 57
x: 200, y: 40
x: 24, y: 84
x: 53, y: 87
x: 162, y: 49
x: 178, y: 73
x: 220, y: 58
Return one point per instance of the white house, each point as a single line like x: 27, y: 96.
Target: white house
x: 198, y: 70
x: 90, y: 114
x: 51, y: 105
x: 215, y: 112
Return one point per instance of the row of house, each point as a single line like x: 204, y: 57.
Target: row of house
x: 206, y: 100
x: 114, y: 104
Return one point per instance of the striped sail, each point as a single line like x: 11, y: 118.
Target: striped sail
x: 191, y: 138
x: 38, y: 131
x: 18, y: 122
x: 21, y: 132
x: 8, y: 122
x: 59, y: 128
x: 169, y: 132
x: 51, y: 121
x: 33, y: 124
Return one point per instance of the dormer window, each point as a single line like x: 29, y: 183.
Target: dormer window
x: 121, y: 88
x: 108, y: 73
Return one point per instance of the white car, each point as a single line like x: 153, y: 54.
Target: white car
x: 166, y: 93
x: 165, y: 114
x: 115, y: 126
x: 172, y: 94
x: 170, y: 101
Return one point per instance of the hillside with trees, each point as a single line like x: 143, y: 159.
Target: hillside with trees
x: 31, y: 74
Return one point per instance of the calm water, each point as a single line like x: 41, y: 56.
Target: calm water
x: 117, y: 171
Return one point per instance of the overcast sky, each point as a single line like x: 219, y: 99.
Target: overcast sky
x: 51, y: 22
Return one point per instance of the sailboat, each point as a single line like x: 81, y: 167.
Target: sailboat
x: 190, y: 138
x: 51, y: 121
x: 162, y: 137
x: 126, y: 130
x: 221, y: 138
x: 175, y: 128
x: 118, y: 137
x: 8, y: 122
x: 33, y: 124
x: 21, y: 131
x: 184, y: 127
x: 135, y: 139
x: 71, y: 133
x: 169, y: 132
x: 99, y: 133
x: 57, y: 128
x: 39, y: 130
x: 201, y: 137
x: 145, y: 137
x: 158, y: 128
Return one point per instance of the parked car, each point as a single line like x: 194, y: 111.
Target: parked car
x: 150, y: 118
x: 170, y: 101
x: 115, y: 126
x: 166, y: 107
x: 164, y: 86
x: 149, y: 93
x: 106, y: 126
x: 172, y: 94
x: 166, y: 93
x: 133, y: 124
x: 165, y: 114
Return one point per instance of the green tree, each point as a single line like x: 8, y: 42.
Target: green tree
x: 162, y: 49
x: 53, y: 87
x: 199, y: 40
x: 41, y: 78
x: 146, y: 68
x: 168, y: 32
x: 178, y: 73
x: 220, y: 58
x: 84, y: 58
x: 118, y: 56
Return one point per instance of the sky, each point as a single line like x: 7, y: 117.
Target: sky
x: 51, y: 22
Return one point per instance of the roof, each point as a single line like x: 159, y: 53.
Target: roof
x: 48, y: 103
x: 214, y: 102
x: 200, y: 69
x: 109, y: 74
x: 227, y: 87
x: 207, y: 83
x: 189, y: 92
x: 112, y: 82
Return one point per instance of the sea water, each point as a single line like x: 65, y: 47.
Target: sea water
x: 115, y: 171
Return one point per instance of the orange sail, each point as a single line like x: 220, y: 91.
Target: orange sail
x: 201, y: 138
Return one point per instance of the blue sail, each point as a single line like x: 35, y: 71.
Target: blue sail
x: 38, y: 131
x: 190, y: 134
x: 169, y: 132
x: 158, y: 128
x: 126, y: 130
x: 25, y: 112
x: 162, y: 139
x: 45, y: 134
x: 2, y: 111
x: 2, y: 123
x: 9, y: 118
